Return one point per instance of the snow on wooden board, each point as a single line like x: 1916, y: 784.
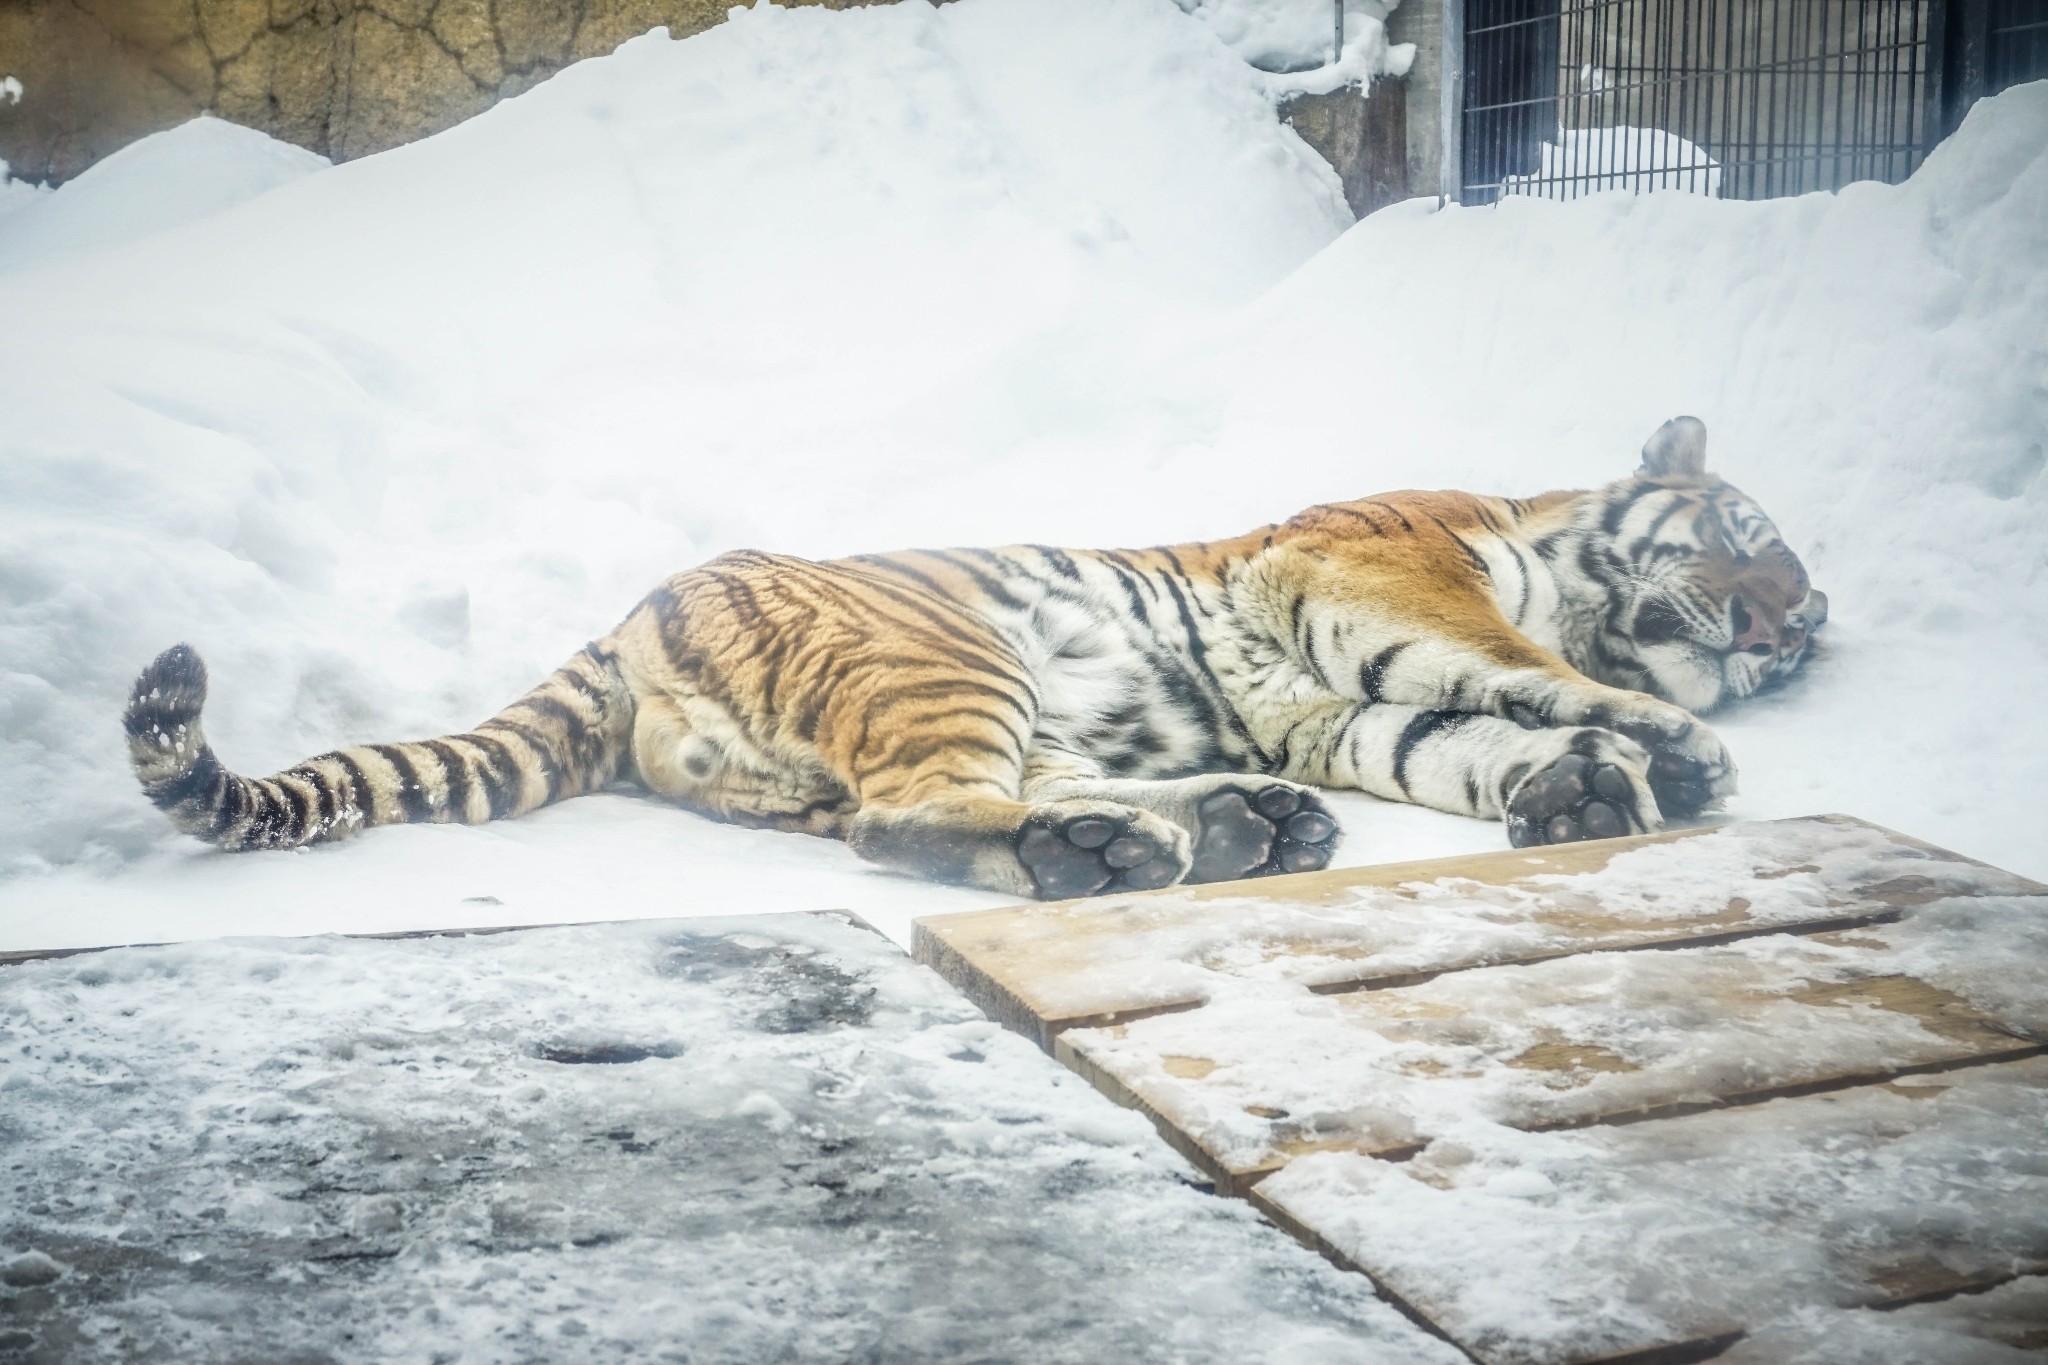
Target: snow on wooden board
x: 1394, y: 1025
x: 1534, y: 1249
x: 768, y: 1138
x: 1044, y: 968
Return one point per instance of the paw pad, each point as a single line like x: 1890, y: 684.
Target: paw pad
x: 1573, y: 798
x: 1257, y: 834
x: 1085, y: 855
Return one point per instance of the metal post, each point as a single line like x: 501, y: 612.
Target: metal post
x: 1451, y: 164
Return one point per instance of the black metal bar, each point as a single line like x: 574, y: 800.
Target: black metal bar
x: 1741, y: 98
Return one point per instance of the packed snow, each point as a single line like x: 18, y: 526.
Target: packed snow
x: 767, y: 1139
x: 387, y: 440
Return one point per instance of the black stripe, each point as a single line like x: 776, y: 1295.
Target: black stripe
x: 360, y: 794
x: 1471, y: 554
x: 1198, y: 651
x: 597, y: 696
x: 1373, y: 676
x: 1617, y: 511
x: 327, y: 803
x: 541, y: 745
x: 301, y: 808
x: 990, y: 585
x: 413, y: 805
x: 188, y: 783
x: 229, y: 801
x: 1424, y: 725
x: 1123, y: 575
x: 1521, y: 607
x: 455, y: 773
x: 1406, y: 524
x: 1062, y: 563
x: 910, y: 756
x: 1354, y: 513
x: 500, y: 775
x: 918, y: 576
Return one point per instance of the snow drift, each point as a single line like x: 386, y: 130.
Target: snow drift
x: 387, y: 440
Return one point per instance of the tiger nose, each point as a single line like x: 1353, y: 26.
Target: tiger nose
x: 1753, y: 632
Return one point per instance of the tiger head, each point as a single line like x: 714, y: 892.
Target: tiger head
x: 1705, y: 602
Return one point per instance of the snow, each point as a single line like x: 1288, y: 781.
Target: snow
x: 1588, y: 160
x: 1295, y: 41
x: 388, y: 440
x: 194, y: 171
x: 1533, y: 1248
x: 771, y: 1138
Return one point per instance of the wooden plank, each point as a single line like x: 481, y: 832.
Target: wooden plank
x: 1263, y: 1074
x: 1042, y: 969
x: 1648, y: 1242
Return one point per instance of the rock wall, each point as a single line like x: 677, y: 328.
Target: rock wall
x: 343, y: 78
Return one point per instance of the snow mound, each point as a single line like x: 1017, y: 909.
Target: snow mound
x: 163, y: 181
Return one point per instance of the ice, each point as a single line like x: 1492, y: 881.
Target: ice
x: 2001, y: 1326
x: 389, y: 441
x: 1779, y: 1217
x: 771, y: 1138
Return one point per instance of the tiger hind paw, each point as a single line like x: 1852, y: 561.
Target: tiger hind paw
x: 1249, y: 831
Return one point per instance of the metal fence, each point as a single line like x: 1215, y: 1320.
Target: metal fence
x: 1741, y: 99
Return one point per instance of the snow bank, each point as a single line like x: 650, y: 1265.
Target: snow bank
x: 1296, y: 41
x: 389, y: 441
x: 191, y: 172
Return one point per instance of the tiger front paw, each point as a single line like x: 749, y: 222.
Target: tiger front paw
x: 1599, y: 788
x: 1690, y: 768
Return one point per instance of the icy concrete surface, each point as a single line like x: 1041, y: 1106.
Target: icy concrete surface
x: 768, y: 1139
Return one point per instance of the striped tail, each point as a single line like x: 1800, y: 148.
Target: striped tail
x: 566, y: 737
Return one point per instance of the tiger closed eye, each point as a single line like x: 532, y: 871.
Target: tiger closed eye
x: 1657, y: 623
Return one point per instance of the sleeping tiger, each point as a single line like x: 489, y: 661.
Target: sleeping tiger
x: 1059, y: 723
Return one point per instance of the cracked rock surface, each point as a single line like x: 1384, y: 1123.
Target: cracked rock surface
x: 343, y: 78
x: 771, y: 1138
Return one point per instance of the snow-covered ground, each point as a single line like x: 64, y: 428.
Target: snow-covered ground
x: 388, y: 440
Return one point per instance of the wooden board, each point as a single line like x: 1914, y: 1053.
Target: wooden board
x: 1254, y: 1080
x: 1823, y: 1200
x: 1042, y: 969
x: 1369, y: 1021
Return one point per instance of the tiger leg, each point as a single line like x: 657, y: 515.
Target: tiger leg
x: 1549, y: 786
x: 953, y: 813
x: 1240, y: 824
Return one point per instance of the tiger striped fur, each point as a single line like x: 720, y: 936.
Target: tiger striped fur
x: 1068, y: 722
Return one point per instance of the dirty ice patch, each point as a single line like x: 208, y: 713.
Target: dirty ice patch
x: 162, y: 181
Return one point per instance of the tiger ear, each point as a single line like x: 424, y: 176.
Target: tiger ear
x: 1677, y: 450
